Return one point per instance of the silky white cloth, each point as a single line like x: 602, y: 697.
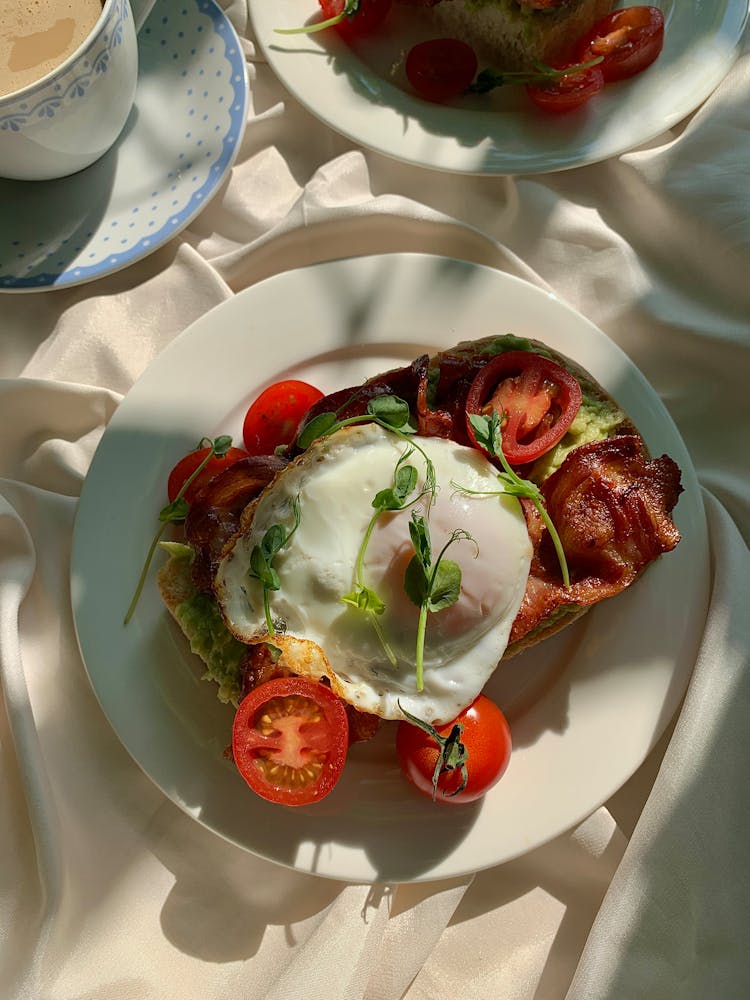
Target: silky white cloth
x: 109, y: 892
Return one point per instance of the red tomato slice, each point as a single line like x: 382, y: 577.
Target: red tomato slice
x: 486, y: 736
x: 272, y: 420
x: 187, y: 466
x: 537, y: 399
x: 370, y: 16
x: 629, y: 40
x: 441, y: 69
x: 566, y: 93
x: 289, y: 740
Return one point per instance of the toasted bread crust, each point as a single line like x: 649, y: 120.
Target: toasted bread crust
x: 175, y: 584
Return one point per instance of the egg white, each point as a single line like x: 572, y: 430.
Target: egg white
x: 334, y: 483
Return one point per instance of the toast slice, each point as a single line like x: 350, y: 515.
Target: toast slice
x: 508, y: 36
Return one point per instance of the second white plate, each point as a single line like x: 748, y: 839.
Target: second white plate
x: 585, y: 707
x: 357, y: 92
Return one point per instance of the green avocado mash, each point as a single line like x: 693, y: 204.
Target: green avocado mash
x: 209, y: 638
x: 595, y: 420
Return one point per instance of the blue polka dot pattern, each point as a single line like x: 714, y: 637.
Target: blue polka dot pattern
x: 176, y: 148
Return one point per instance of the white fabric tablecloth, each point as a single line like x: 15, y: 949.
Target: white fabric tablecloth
x: 109, y: 891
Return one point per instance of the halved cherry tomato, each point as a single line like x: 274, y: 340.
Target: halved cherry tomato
x: 628, y: 40
x: 441, y: 68
x: 369, y: 16
x: 289, y: 740
x: 536, y: 398
x: 187, y: 466
x: 272, y: 420
x: 486, y: 736
x: 568, y: 92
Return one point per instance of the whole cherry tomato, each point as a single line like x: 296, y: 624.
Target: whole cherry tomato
x: 187, y: 466
x: 272, y: 420
x: 289, y: 740
x: 441, y: 69
x: 628, y: 40
x: 568, y: 92
x: 536, y: 398
x: 486, y: 740
x: 366, y: 16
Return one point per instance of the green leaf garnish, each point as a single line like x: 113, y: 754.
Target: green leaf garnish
x: 453, y: 753
x: 263, y: 555
x: 320, y: 426
x: 390, y: 412
x: 488, y: 434
x: 489, y: 79
x: 177, y: 510
x: 431, y: 586
x: 395, y: 498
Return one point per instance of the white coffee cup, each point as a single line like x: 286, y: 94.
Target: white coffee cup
x: 70, y: 117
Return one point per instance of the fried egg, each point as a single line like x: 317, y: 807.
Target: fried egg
x: 324, y: 502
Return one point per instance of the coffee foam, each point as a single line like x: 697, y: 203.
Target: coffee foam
x: 38, y: 35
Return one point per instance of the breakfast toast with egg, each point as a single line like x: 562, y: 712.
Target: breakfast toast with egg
x: 609, y: 502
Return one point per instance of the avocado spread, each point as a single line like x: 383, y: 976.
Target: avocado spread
x: 209, y: 638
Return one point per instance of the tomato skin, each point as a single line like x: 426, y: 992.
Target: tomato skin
x: 370, y: 16
x: 538, y: 397
x: 306, y: 741
x: 441, y: 69
x: 629, y: 41
x: 187, y: 465
x: 486, y: 735
x: 567, y: 93
x: 273, y: 418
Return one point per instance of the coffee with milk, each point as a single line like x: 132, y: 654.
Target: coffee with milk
x: 38, y: 35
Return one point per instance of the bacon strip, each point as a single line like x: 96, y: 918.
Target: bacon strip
x: 402, y: 382
x: 214, y: 516
x: 446, y: 418
x: 611, y: 507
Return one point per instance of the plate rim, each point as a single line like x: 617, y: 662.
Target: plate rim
x: 333, y: 870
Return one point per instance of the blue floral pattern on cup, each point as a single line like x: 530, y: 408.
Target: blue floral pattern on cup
x: 46, y: 100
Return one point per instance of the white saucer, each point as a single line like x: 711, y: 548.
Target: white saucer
x: 177, y: 146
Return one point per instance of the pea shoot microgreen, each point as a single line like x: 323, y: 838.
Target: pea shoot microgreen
x: 390, y: 412
x: 262, y: 558
x: 394, y: 498
x: 432, y: 586
x: 488, y: 434
x: 489, y: 79
x: 453, y: 752
x: 177, y: 510
x: 351, y: 7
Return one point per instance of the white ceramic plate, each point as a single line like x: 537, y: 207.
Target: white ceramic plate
x: 359, y: 93
x: 585, y: 707
x: 174, y: 152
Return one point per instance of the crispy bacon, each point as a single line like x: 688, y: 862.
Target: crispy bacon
x: 214, y: 516
x: 528, y: 4
x: 444, y: 417
x: 402, y: 382
x: 611, y: 507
